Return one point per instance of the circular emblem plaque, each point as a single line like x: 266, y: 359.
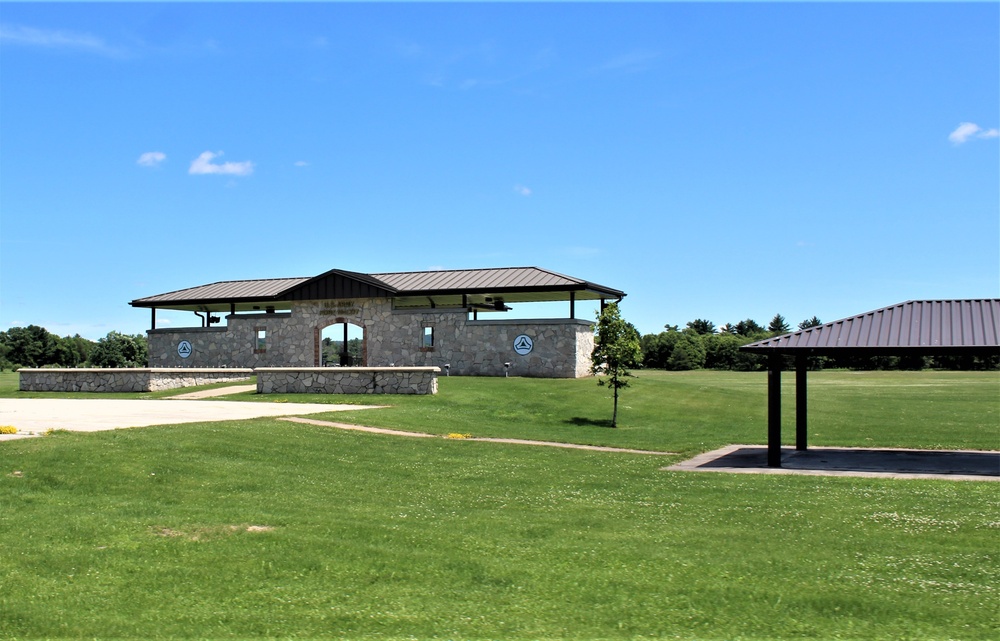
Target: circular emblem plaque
x: 184, y: 349
x: 523, y: 344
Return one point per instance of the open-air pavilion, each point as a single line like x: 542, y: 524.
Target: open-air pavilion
x: 968, y: 327
x: 451, y: 319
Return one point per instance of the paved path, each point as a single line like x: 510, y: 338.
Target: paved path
x: 36, y: 415
x: 959, y: 465
x: 515, y: 441
x: 212, y: 393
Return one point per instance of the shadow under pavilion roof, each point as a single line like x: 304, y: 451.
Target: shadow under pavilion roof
x: 445, y: 288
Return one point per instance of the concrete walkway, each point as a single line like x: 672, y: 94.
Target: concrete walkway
x: 212, y: 393
x: 959, y: 465
x: 482, y: 439
x: 33, y: 416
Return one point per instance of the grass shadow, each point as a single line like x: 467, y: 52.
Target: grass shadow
x: 580, y: 421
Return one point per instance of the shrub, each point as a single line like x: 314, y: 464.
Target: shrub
x: 119, y: 350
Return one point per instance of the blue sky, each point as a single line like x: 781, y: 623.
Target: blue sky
x: 718, y: 161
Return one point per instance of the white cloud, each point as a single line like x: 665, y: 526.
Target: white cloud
x: 631, y: 62
x: 151, y: 158
x: 29, y: 36
x: 522, y: 190
x: 203, y: 165
x: 968, y: 130
x: 301, y: 163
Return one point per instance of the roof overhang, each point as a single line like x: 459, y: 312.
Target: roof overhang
x: 914, y: 328
x: 473, y: 289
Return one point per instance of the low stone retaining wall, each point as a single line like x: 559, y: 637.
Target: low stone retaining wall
x: 347, y: 380
x: 124, y: 379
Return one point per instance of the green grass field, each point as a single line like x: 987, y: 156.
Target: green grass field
x: 265, y: 528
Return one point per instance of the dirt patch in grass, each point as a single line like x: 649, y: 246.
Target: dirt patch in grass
x: 208, y: 532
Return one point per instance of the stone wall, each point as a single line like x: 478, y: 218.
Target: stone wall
x: 347, y: 380
x: 560, y: 347
x: 124, y: 379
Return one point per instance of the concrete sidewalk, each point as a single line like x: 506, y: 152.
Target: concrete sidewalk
x: 32, y: 416
x: 964, y: 465
x: 212, y: 393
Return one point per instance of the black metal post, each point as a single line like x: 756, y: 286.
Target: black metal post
x: 344, y: 358
x: 153, y: 317
x: 800, y: 403
x: 572, y: 304
x: 774, y: 411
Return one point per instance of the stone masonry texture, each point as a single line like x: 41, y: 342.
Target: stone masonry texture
x: 561, y: 347
x: 123, y: 380
x: 347, y: 380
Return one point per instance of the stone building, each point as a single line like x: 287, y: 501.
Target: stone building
x: 405, y: 319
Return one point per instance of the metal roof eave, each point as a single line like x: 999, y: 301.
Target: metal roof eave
x: 198, y: 303
x: 337, y: 283
x: 915, y: 327
x: 596, y: 291
x: 921, y: 350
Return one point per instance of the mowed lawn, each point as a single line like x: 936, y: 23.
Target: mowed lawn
x: 265, y: 528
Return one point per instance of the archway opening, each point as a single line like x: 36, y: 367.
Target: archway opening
x: 343, y: 344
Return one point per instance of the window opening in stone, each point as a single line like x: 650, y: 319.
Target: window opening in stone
x: 260, y: 340
x: 428, y: 338
x: 334, y: 338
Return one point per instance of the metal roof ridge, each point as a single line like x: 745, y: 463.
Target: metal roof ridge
x: 443, y: 271
x: 350, y: 274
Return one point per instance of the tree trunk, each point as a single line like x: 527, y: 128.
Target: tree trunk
x: 614, y: 415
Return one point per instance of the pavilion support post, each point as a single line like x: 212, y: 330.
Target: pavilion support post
x: 572, y: 304
x: 152, y: 320
x: 800, y: 403
x: 774, y: 411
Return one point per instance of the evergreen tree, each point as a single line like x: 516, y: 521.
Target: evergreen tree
x: 702, y: 326
x: 778, y: 325
x: 811, y: 322
x: 747, y: 327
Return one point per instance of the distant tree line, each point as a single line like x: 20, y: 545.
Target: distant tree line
x: 333, y: 349
x: 34, y: 346
x: 702, y: 345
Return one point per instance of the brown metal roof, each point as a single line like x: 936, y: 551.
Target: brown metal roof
x: 913, y: 327
x: 495, y: 280
x: 517, y: 283
x: 227, y: 290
